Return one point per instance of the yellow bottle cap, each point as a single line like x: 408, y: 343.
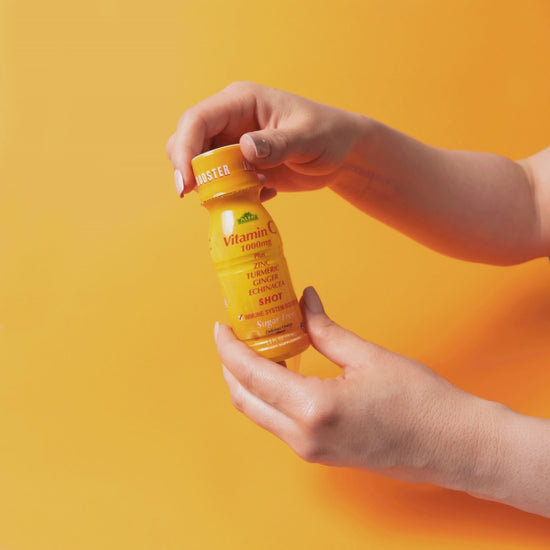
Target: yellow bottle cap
x: 221, y: 171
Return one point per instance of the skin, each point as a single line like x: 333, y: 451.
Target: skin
x: 385, y: 413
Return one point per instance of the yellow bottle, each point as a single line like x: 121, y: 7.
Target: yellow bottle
x: 247, y: 251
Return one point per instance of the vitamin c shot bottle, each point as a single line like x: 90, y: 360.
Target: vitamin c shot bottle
x: 247, y: 252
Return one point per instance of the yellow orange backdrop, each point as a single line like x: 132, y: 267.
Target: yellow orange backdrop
x: 116, y: 429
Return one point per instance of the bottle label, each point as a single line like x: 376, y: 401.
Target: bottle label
x: 254, y: 276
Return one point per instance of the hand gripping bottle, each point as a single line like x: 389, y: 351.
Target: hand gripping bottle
x: 247, y: 252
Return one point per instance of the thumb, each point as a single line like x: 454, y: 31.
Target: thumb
x: 338, y: 344
x: 271, y: 147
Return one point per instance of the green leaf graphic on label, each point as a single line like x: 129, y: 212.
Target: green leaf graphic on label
x: 247, y: 217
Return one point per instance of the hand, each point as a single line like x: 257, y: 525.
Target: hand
x: 385, y: 413
x: 296, y: 143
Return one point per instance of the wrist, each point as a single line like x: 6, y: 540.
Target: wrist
x: 482, y: 472
x: 357, y: 171
x: 460, y: 448
x: 521, y: 472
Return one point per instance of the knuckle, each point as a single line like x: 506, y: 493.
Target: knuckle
x: 240, y: 86
x: 320, y: 417
x: 244, y: 92
x: 190, y: 116
x: 310, y: 451
x: 324, y: 329
x: 169, y: 145
x: 321, y: 413
x: 247, y: 372
x: 283, y: 142
x: 237, y: 399
x: 186, y: 115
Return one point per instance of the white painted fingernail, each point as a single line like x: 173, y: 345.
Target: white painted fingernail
x: 178, y: 180
x: 216, y: 329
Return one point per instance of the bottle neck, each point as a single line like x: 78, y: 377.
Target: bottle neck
x: 249, y: 194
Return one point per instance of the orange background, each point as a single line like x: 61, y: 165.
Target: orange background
x: 116, y: 429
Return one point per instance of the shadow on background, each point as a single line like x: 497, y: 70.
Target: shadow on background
x: 503, y: 354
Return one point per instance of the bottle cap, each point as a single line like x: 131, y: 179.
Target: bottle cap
x: 221, y: 171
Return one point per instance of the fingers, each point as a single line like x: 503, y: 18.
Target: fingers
x: 280, y: 388
x: 341, y: 346
x: 271, y: 126
x: 271, y: 147
x: 218, y: 120
x: 267, y: 193
x: 296, y: 409
x: 257, y: 410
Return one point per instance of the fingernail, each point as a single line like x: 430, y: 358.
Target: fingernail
x: 261, y: 146
x: 216, y: 329
x: 267, y: 193
x: 312, y: 300
x: 178, y: 180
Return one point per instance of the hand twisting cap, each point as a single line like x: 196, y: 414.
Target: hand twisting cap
x: 221, y: 171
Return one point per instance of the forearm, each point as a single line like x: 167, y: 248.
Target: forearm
x: 522, y: 471
x: 488, y: 450
x: 474, y: 206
